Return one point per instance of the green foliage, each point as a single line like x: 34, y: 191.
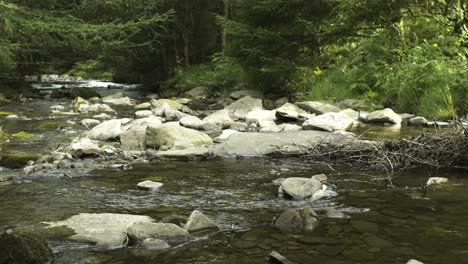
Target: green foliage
x: 91, y: 69
x: 221, y: 74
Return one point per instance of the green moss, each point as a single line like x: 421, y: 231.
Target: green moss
x: 6, y: 113
x: 17, y: 160
x: 23, y: 136
x: 23, y: 248
x: 3, y: 136
x: 52, y: 125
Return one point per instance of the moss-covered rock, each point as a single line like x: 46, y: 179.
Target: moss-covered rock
x: 6, y: 113
x: 23, y: 136
x: 17, y: 160
x: 52, y: 125
x: 23, y: 248
x: 3, y: 136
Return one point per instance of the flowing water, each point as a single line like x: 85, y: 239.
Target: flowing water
x: 386, y: 225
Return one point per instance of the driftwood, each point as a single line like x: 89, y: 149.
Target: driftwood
x: 447, y: 149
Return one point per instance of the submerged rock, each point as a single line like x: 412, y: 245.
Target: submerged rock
x: 172, y: 234
x: 23, y: 248
x: 198, y: 221
x: 436, y: 180
x: 290, y: 221
x: 150, y: 185
x: 299, y: 188
x: 107, y: 231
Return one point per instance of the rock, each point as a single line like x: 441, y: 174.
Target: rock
x: 290, y: 221
x: 134, y: 138
x: 85, y: 147
x: 243, y: 93
x: 198, y: 92
x: 363, y: 116
x: 225, y: 135
x: 149, y: 185
x: 143, y: 106
x: 191, y: 122
x: 124, y: 121
x: 329, y: 122
x: 88, y: 122
x: 239, y: 126
x: 23, y: 248
x: 309, y: 218
x: 324, y: 193
x: 318, y: 108
x: 183, y: 101
x: 320, y: 177
x: 117, y: 99
x: 102, y: 116
x: 172, y: 135
x: 198, y: 221
x: 287, y: 143
x: 266, y: 123
x: 299, y: 188
x: 173, y: 234
x: 438, y: 124
x: 106, y: 130
x: 107, y: 231
x: 289, y: 127
x: 290, y: 111
x: 268, y: 104
x: 98, y: 108
x: 333, y: 213
x: 260, y: 115
x: 57, y: 107
x: 148, y: 121
x: 220, y: 119
x: 270, y: 129
x: 173, y: 115
x: 418, y: 121
x: 281, y: 101
x: 143, y: 113
x: 384, y: 116
x: 171, y: 103
x: 151, y: 96
x: 414, y: 261
x: 240, y: 108
x: 154, y: 244
x: 436, y: 180
x: 216, y: 106
x: 191, y: 153
x: 353, y: 114
x: 175, y: 219
x: 79, y: 101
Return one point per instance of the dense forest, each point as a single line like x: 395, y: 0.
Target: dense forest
x: 407, y: 54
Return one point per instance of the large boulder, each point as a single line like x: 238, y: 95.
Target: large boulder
x: 191, y: 122
x: 386, y: 115
x: 198, y: 221
x: 143, y: 113
x: 106, y: 231
x: 225, y: 135
x: 260, y: 115
x: 290, y: 111
x: 299, y: 188
x: 290, y: 220
x: 118, y: 99
x: 243, y: 93
x: 191, y: 153
x: 171, y: 233
x: 240, y: 108
x: 23, y: 248
x: 173, y: 114
x: 220, y: 119
x: 79, y: 101
x: 286, y: 143
x: 172, y: 135
x: 106, y: 130
x: 85, y: 147
x: 329, y: 122
x: 418, y: 121
x: 134, y: 138
x: 317, y: 107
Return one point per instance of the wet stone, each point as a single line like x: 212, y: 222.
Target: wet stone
x: 364, y: 226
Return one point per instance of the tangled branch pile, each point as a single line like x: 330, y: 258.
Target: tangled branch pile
x: 448, y: 149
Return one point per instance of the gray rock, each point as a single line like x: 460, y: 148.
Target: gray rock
x: 143, y: 106
x: 324, y: 193
x: 170, y: 233
x: 102, y: 116
x: 418, y: 121
x: 242, y: 93
x: 289, y: 127
x: 225, y: 135
x: 220, y: 119
x: 57, y: 108
x: 171, y: 103
x: 143, y: 113
x: 240, y: 108
x: 198, y: 221
x: 239, y: 126
x: 406, y: 116
x: 270, y: 129
x: 438, y: 124
x: 290, y: 221
x: 106, y: 231
x: 173, y: 115
x: 290, y: 111
x: 320, y: 177
x: 384, y: 116
x: 99, y: 108
x: 106, y: 130
x: 333, y: 213
x: 191, y: 153
x: 79, y: 101
x: 260, y: 115
x: 85, y: 147
x: 309, y: 218
x: 133, y: 138
x: 198, y: 92
x: 118, y: 99
x: 191, y: 122
x: 172, y: 135
x: 299, y: 188
x: 183, y: 101
x: 151, y: 96
x: 353, y: 114
x: 281, y: 101
x: 436, y: 180
x: 148, y: 121
x: 329, y: 122
x: 88, y: 122
x: 150, y: 185
x: 317, y: 107
x: 287, y: 143
x: 154, y: 244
